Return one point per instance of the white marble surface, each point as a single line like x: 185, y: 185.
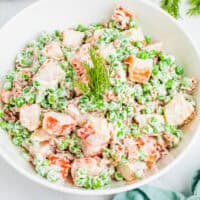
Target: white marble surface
x: 13, y: 186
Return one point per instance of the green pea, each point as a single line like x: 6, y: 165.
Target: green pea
x: 62, y: 145
x: 144, y: 54
x: 25, y: 77
x: 3, y: 125
x: 118, y: 176
x: 146, y: 88
x: 8, y: 85
x: 20, y: 101
x: 26, y: 90
x: 155, y: 69
x: 81, y: 28
x: 138, y: 44
x: 52, y: 99
x: 97, y: 183
x: 60, y: 92
x: 31, y: 98
x: 133, y: 23
x: 41, y: 58
x: 8, y: 105
x: 36, y: 84
x: 17, y: 140
x: 53, y: 175
x: 161, y: 97
x: 168, y: 84
x: 57, y: 33
x: 10, y: 76
x: 1, y: 113
x: 111, y: 24
x: 179, y: 70
x: 70, y: 72
x: 120, y: 133
x: 25, y: 62
x: 12, y: 100
x: 147, y: 39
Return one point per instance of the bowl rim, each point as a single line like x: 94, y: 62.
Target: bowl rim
x: 105, y: 191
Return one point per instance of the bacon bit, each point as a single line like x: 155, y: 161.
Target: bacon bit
x: 9, y: 115
x: 151, y: 160
x: 139, y: 142
x: 126, y: 12
x: 129, y: 60
x: 85, y: 131
x: 62, y: 163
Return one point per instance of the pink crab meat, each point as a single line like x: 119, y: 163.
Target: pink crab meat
x: 139, y: 69
x: 30, y: 116
x: 54, y: 71
x: 58, y: 123
x: 53, y: 50
x: 72, y: 38
x: 95, y: 135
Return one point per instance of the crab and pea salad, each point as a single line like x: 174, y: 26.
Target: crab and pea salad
x: 96, y: 103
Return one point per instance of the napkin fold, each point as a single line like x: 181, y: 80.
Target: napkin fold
x: 155, y: 193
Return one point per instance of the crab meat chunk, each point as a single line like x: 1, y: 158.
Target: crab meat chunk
x: 122, y: 17
x: 72, y: 38
x: 49, y: 74
x: 30, y: 116
x: 40, y: 143
x: 134, y: 34
x: 139, y: 69
x: 131, y: 148
x: 143, y: 119
x: 58, y: 123
x: 74, y: 112
x: 92, y: 166
x: 107, y: 50
x: 5, y: 96
x: 95, y: 135
x: 40, y: 135
x: 62, y: 163
x: 156, y: 46
x: 131, y: 171
x: 178, y: 110
x: 53, y: 50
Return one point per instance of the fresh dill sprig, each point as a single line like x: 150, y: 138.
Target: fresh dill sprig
x: 172, y: 7
x: 82, y: 86
x: 98, y: 76
x: 195, y: 7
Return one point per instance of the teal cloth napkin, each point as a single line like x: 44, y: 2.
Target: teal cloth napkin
x: 154, y: 193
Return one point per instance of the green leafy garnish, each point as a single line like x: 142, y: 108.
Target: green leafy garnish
x: 172, y: 7
x: 195, y: 7
x: 98, y: 76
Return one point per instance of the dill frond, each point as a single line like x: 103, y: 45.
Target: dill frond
x: 98, y: 76
x: 82, y: 86
x: 172, y: 7
x: 195, y: 7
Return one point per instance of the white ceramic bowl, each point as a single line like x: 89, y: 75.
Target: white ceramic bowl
x: 47, y: 15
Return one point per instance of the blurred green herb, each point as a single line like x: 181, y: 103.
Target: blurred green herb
x: 195, y: 7
x: 172, y: 7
